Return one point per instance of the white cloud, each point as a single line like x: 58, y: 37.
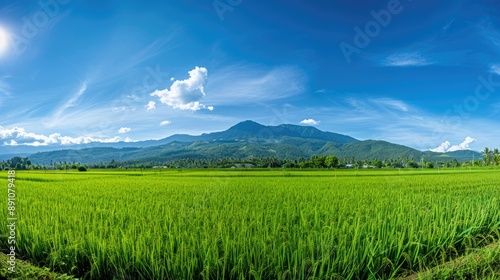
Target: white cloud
x: 11, y: 143
x: 442, y: 148
x: 186, y: 94
x: 163, y: 123
x: 18, y: 136
x: 406, y: 59
x: 67, y: 140
x: 462, y: 146
x: 124, y: 130
x: 151, y: 106
x: 210, y: 108
x: 128, y: 140
x: 21, y: 135
x: 310, y: 122
x: 446, y: 146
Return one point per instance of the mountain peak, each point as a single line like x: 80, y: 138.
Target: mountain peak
x: 249, y: 126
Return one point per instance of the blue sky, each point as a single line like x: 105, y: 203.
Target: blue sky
x: 420, y: 73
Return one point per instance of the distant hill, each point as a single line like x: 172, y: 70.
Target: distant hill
x: 247, y: 130
x: 9, y: 156
x: 249, y: 139
x: 250, y: 130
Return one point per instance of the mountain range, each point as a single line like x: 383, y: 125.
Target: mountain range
x: 247, y: 139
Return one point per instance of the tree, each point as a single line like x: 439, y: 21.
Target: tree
x: 82, y: 168
x: 487, y: 156
x: 331, y: 161
x: 412, y: 164
x: 318, y: 161
x: 496, y: 156
x: 112, y: 164
x: 377, y: 163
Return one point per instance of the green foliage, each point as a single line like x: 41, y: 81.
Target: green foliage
x: 480, y: 264
x: 82, y: 168
x: 377, y: 163
x: 320, y: 162
x: 285, y: 148
x: 17, y: 163
x: 331, y: 162
x: 25, y: 271
x: 195, y: 224
x: 412, y: 164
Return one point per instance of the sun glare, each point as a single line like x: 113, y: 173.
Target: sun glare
x: 3, y: 41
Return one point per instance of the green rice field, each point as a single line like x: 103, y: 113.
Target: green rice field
x: 264, y: 224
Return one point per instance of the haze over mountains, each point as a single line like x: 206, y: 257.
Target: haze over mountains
x: 244, y: 140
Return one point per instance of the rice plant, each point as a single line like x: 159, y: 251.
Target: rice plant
x: 252, y: 224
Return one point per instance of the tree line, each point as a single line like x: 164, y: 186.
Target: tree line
x: 491, y: 158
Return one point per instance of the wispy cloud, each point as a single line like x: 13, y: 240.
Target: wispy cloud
x: 250, y: 84
x: 488, y: 31
x: 407, y: 59
x: 4, y: 86
x: 71, y: 102
x: 102, y: 120
x: 448, y: 25
x: 437, y: 48
x: 109, y: 68
x: 392, y: 103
